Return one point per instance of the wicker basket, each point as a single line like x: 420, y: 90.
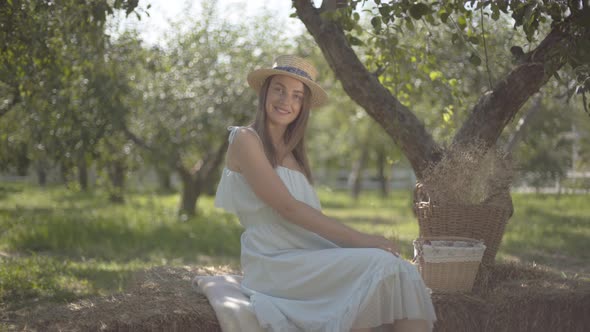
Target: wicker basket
x: 448, y: 264
x: 485, y: 221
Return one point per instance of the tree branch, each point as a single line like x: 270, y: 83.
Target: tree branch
x: 135, y: 139
x: 364, y: 88
x: 496, y: 108
x: 331, y: 5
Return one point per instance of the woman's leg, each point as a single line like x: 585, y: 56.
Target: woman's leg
x: 407, y: 325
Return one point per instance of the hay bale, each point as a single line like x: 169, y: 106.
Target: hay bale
x: 458, y: 312
x: 508, y: 297
x: 159, y: 299
x: 540, y: 305
x: 513, y: 297
x: 491, y: 276
x: 527, y: 298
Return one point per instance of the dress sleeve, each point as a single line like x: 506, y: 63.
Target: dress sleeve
x: 233, y: 192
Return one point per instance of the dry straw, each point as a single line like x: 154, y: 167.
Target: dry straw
x: 469, y: 174
x: 511, y: 298
x: 467, y: 194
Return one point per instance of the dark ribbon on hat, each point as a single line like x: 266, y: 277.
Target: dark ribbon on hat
x: 295, y: 71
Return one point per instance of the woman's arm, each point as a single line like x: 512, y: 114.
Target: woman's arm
x: 246, y: 155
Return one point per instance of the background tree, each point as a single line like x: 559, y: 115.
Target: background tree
x: 51, y: 72
x: 34, y: 35
x: 194, y: 89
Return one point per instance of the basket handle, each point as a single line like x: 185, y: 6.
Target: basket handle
x: 422, y: 199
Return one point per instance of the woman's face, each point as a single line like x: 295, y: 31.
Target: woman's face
x: 284, y: 100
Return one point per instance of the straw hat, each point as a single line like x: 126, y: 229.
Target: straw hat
x: 292, y: 66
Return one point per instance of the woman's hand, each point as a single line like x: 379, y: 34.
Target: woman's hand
x: 377, y: 241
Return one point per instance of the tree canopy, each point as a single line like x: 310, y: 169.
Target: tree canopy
x: 337, y: 28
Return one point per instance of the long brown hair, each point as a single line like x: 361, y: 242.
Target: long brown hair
x: 294, y: 134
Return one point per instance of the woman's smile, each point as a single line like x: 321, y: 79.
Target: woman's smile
x: 284, y: 99
x: 282, y: 111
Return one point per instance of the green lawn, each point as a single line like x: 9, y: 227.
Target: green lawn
x: 58, y: 245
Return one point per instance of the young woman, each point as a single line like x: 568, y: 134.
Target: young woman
x: 305, y: 271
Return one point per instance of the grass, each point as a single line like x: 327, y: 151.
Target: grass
x: 57, y: 245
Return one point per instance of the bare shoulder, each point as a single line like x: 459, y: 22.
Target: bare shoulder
x: 246, y: 138
x: 246, y: 144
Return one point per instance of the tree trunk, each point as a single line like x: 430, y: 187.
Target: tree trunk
x: 63, y: 172
x: 83, y: 172
x: 190, y: 193
x: 116, y: 171
x: 23, y: 162
x: 210, y: 182
x: 356, y: 174
x: 164, y: 179
x: 195, y: 179
x: 381, y: 167
x: 41, y: 174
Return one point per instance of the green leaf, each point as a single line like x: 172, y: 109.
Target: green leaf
x: 473, y: 40
x: 462, y: 22
x: 454, y: 38
x: 376, y: 23
x: 443, y: 14
x: 434, y: 75
x: 446, y: 117
x: 474, y: 59
x: 355, y: 41
x: 409, y: 24
x: 418, y: 10
x: 495, y: 14
x: 430, y: 20
x: 385, y: 10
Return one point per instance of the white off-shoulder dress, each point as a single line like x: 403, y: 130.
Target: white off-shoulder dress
x: 299, y: 281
